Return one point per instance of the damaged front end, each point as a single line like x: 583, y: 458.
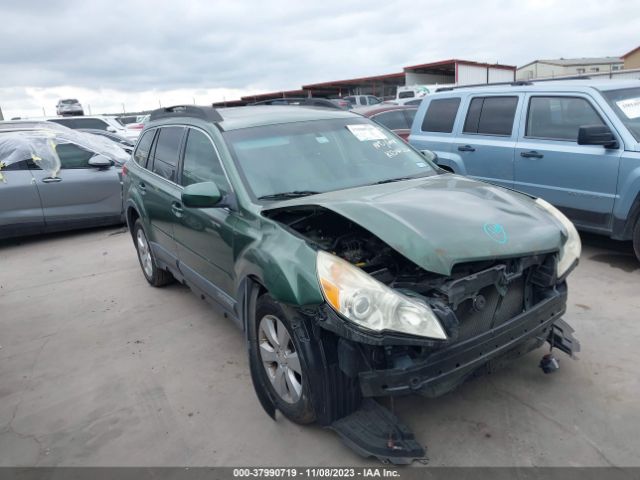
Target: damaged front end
x: 492, y: 311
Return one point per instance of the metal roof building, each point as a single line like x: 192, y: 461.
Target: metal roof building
x: 460, y: 72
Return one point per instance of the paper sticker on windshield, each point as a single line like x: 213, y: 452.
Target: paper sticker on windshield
x: 366, y: 133
x: 630, y: 107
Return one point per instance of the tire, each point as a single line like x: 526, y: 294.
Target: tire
x: 636, y: 239
x: 154, y: 275
x: 274, y: 350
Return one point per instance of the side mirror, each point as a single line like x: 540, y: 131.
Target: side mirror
x: 100, y: 161
x: 201, y: 195
x: 111, y: 129
x: 596, y: 135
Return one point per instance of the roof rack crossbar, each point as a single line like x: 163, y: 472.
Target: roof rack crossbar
x: 205, y: 113
x: 515, y: 83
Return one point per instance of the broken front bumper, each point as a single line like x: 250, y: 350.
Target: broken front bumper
x: 444, y: 369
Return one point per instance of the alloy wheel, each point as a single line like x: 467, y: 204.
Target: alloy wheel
x: 280, y: 358
x: 144, y: 253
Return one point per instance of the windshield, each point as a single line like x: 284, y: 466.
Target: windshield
x: 320, y: 156
x: 626, y: 104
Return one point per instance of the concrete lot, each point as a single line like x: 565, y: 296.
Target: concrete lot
x: 98, y: 368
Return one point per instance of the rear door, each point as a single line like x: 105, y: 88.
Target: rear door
x: 20, y: 207
x: 161, y: 193
x: 581, y: 180
x: 81, y: 195
x: 204, y: 236
x: 487, y: 137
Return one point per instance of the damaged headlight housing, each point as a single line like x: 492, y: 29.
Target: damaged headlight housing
x: 363, y: 300
x: 570, y: 251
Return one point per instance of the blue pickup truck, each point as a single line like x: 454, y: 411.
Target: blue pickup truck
x: 574, y: 143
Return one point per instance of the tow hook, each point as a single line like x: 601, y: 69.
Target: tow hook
x: 549, y: 363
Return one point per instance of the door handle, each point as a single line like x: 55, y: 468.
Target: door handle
x: 142, y: 187
x: 176, y: 208
x: 466, y: 148
x: 531, y: 154
x: 51, y: 180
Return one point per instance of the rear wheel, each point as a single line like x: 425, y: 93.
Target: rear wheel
x: 279, y: 361
x: 154, y: 275
x: 636, y: 238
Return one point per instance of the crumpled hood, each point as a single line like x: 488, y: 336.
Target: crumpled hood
x: 437, y: 222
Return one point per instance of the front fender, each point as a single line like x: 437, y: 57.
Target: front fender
x: 283, y: 263
x: 626, y: 207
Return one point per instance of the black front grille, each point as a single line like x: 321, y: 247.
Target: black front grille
x: 497, y: 309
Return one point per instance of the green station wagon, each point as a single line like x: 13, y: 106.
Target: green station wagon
x: 354, y: 265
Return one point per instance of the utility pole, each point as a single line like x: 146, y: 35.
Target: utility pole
x: 1, y: 116
x: 194, y: 100
x: 44, y: 114
x: 159, y: 104
x: 123, y: 110
x: 89, y: 108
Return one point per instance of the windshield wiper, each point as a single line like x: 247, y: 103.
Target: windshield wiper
x: 391, y: 180
x: 292, y: 194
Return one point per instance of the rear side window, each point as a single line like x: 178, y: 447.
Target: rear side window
x: 441, y: 115
x: 406, y: 94
x: 90, y: 123
x: 67, y: 122
x: 143, y: 148
x: 165, y: 160
x: 393, y: 119
x: 559, y: 118
x: 491, y: 116
x: 201, y: 162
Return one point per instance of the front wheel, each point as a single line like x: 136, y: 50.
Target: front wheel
x: 279, y: 362
x: 636, y: 238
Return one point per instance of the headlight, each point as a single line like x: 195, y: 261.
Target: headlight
x: 572, y: 247
x: 365, y: 301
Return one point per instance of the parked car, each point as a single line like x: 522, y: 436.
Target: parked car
x: 53, y: 178
x: 306, y: 101
x: 404, y: 101
x: 138, y: 125
x: 97, y: 122
x: 396, y: 118
x: 575, y: 143
x: 125, y: 143
x: 69, y: 106
x: 355, y: 267
x: 127, y: 119
x: 362, y: 100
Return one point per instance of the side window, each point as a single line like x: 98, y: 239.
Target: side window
x: 410, y: 114
x: 373, y: 100
x: 67, y: 122
x: 95, y: 123
x: 441, y: 115
x: 393, y: 119
x: 167, y: 151
x: 143, y: 148
x: 491, y: 116
x: 72, y: 156
x: 201, y: 162
x: 559, y: 118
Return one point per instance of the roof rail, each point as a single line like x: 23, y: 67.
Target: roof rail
x: 516, y: 83
x: 205, y: 113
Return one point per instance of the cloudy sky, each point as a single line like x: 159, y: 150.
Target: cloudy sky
x: 144, y: 53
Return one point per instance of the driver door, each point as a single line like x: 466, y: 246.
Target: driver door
x: 81, y: 195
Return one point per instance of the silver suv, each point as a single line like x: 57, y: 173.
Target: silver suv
x: 69, y: 106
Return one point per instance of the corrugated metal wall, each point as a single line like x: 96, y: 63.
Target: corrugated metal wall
x: 470, y: 74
